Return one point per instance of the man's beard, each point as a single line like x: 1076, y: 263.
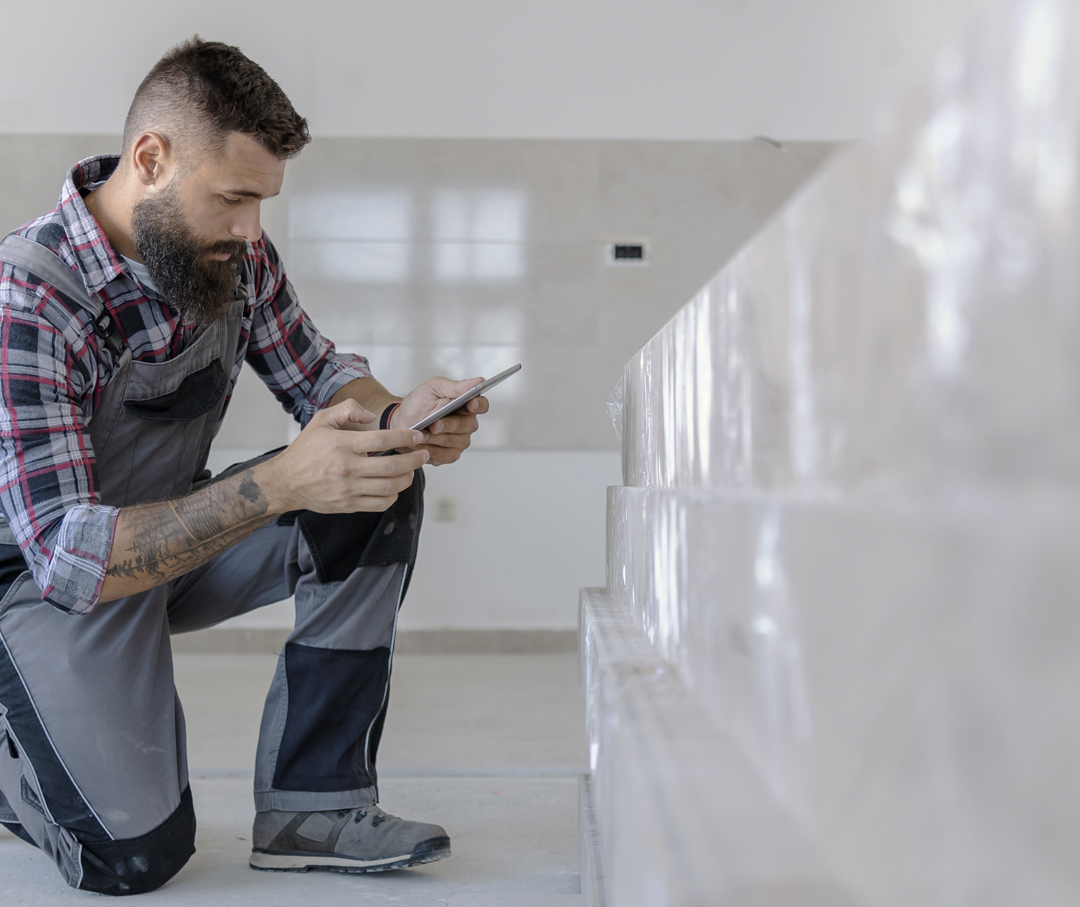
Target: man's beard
x: 200, y: 288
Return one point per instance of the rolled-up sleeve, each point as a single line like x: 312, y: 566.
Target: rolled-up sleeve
x: 299, y: 365
x: 47, y: 486
x: 70, y: 558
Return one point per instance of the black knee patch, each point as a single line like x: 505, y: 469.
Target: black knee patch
x: 139, y: 865
x: 341, y: 542
x: 334, y: 696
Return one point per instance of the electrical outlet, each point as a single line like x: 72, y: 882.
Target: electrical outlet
x: 445, y: 510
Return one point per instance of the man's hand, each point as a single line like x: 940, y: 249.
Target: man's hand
x: 328, y: 469
x: 446, y: 439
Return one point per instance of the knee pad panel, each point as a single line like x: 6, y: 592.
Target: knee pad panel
x: 335, y: 696
x: 341, y: 542
x: 139, y: 865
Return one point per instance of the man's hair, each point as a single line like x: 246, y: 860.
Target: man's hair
x: 202, y: 90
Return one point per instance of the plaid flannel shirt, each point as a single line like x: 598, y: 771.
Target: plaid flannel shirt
x: 52, y: 378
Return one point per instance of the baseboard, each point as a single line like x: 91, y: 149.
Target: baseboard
x: 269, y: 640
x: 431, y: 642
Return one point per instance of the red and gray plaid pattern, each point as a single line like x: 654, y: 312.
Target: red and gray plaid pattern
x: 52, y: 377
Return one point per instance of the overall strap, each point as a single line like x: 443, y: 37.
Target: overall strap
x: 45, y: 265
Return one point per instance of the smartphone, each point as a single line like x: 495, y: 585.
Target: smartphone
x: 458, y: 402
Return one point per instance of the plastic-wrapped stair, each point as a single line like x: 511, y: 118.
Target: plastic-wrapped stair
x: 837, y: 661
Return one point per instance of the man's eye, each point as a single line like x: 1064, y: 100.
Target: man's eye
x: 231, y: 201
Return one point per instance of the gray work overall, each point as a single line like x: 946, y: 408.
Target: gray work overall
x: 93, y: 764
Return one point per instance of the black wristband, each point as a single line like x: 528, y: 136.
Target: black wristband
x: 384, y: 419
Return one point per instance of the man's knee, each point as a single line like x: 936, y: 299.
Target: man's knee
x: 138, y: 865
x: 341, y: 542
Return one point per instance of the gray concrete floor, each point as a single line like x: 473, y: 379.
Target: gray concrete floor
x: 489, y: 746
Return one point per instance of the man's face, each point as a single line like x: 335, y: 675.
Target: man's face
x: 192, y: 232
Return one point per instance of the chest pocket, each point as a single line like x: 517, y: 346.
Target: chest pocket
x: 152, y: 429
x: 195, y: 396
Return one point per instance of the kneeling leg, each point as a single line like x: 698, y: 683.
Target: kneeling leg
x: 92, y: 765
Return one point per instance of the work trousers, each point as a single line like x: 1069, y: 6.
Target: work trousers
x: 93, y: 766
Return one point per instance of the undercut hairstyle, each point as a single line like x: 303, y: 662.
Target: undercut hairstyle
x: 202, y: 90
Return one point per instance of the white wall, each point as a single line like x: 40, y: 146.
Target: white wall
x: 687, y: 69
x: 530, y: 531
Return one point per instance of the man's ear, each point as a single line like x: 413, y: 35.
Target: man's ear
x: 152, y: 159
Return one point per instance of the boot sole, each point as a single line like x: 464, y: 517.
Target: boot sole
x: 299, y: 861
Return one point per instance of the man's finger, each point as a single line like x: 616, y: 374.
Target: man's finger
x: 370, y: 504
x: 458, y: 440
x: 478, y: 405
x: 382, y: 486
x: 449, y: 453
x: 347, y: 412
x: 394, y: 464
x: 374, y: 441
x: 444, y: 387
x: 455, y: 425
x: 407, y: 462
x: 464, y: 419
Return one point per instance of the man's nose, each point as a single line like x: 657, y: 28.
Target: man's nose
x: 247, y: 225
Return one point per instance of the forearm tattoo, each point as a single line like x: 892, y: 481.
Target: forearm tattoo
x: 165, y: 540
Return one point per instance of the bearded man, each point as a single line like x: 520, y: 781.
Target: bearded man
x: 126, y: 314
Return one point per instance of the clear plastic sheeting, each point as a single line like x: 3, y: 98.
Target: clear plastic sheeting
x: 615, y: 409
x: 683, y: 817
x: 838, y: 655
x: 910, y: 321
x: 901, y: 679
x: 593, y: 882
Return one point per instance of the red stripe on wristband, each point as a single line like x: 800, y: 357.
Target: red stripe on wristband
x: 387, y: 414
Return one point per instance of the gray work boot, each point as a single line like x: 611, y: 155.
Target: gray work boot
x: 362, y: 839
